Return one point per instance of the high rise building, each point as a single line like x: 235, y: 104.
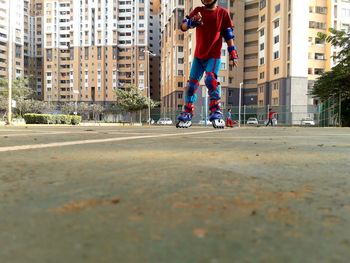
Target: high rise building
x: 11, y: 18
x: 172, y: 54
x: 92, y: 48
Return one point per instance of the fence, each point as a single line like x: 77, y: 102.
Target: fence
x: 330, y: 112
x: 326, y: 114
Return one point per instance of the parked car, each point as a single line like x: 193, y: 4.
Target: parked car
x: 165, y: 121
x: 202, y: 122
x: 307, y: 122
x: 252, y: 121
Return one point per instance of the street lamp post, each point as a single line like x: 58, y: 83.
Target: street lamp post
x: 240, y: 103
x: 76, y: 93
x: 9, y: 110
x: 148, y: 83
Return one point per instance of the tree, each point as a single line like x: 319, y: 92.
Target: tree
x: 335, y: 83
x: 131, y: 99
x: 20, y: 93
x: 20, y: 89
x: 68, y: 108
x: 96, y: 110
x: 83, y: 110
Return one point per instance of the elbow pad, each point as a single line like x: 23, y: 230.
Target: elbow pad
x: 228, y: 34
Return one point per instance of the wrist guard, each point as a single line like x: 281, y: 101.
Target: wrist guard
x: 233, y: 53
x: 191, y: 22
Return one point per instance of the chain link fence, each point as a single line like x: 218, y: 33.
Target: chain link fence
x: 323, y: 115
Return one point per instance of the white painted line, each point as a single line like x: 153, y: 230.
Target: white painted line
x: 32, y: 134
x: 81, y: 142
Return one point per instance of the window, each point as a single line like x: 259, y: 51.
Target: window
x: 276, y: 39
x: 262, y: 4
x: 276, y: 71
x: 262, y: 18
x: 276, y: 55
x: 346, y: 12
x: 321, y: 10
x: 99, y: 53
x: 319, y: 71
x: 276, y: 23
x: 277, y: 8
x: 262, y: 46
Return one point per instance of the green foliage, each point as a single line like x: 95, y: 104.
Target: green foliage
x: 68, y: 108
x: 96, y: 110
x: 20, y: 89
x: 132, y: 99
x: 335, y: 83
x: 75, y: 120
x: 339, y: 39
x: 31, y: 118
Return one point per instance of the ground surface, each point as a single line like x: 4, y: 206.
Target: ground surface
x: 161, y: 194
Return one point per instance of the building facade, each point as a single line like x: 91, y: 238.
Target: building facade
x: 92, y: 48
x: 11, y: 19
x: 82, y: 50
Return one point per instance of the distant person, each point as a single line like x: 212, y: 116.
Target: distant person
x: 271, y: 114
x: 229, y: 122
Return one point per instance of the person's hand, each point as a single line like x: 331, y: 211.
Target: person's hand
x: 195, y: 21
x: 233, y: 55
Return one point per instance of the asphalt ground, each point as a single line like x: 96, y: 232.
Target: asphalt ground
x: 161, y: 194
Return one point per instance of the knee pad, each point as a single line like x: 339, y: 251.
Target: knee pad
x: 192, y: 87
x: 210, y: 81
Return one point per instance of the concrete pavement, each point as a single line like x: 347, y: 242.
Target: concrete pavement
x: 160, y: 194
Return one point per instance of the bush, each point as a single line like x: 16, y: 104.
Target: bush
x: 75, y: 119
x: 31, y: 118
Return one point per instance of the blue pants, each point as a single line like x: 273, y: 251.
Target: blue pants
x: 211, y: 68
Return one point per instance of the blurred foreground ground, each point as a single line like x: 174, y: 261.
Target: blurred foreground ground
x: 161, y: 194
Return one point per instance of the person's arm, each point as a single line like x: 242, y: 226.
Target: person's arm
x: 229, y: 36
x: 191, y: 22
x: 231, y: 48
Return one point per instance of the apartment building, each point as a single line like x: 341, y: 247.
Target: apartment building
x: 33, y: 44
x: 291, y: 54
x: 11, y: 18
x: 245, y: 18
x: 283, y: 53
x: 172, y: 54
x: 91, y: 48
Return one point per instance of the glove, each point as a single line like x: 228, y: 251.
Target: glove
x: 233, y: 53
x: 194, y: 21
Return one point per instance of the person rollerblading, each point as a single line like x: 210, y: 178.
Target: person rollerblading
x: 212, y: 24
